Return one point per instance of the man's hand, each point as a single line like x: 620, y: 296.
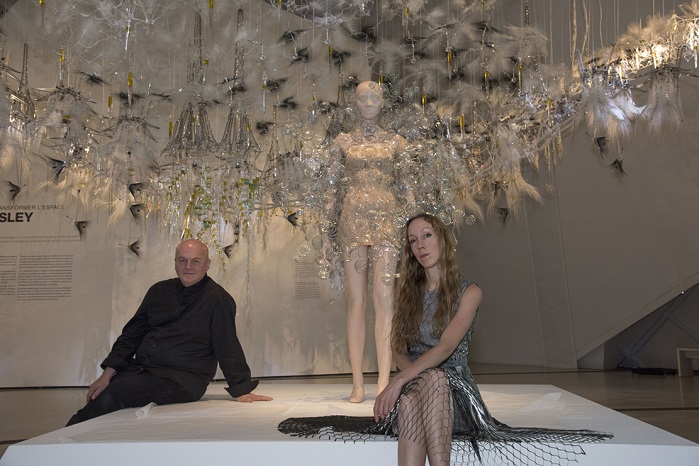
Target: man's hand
x: 250, y: 397
x: 100, y: 384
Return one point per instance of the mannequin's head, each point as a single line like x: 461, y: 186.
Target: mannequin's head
x: 369, y: 99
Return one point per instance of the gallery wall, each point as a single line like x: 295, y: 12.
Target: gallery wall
x: 600, y: 253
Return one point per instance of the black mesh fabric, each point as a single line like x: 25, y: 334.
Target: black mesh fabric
x: 442, y: 409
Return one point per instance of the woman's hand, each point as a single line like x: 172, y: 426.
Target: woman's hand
x: 387, y: 399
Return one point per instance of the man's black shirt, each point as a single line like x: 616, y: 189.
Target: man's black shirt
x: 180, y: 333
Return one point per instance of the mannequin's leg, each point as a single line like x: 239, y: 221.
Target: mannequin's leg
x: 356, y: 279
x: 383, y: 282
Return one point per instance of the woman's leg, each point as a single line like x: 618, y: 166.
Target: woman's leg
x: 385, y: 260
x: 356, y: 278
x: 425, y: 421
x: 411, y: 448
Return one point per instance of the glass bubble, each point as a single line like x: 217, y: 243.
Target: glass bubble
x: 304, y: 250
x: 337, y: 288
x: 360, y: 265
x: 360, y: 225
x: 470, y: 220
x: 325, y: 107
x: 313, y: 163
x: 457, y: 215
x: 427, y: 183
x: 443, y: 216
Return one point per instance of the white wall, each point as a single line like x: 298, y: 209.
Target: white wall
x: 601, y: 253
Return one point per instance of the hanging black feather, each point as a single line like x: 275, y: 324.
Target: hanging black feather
x: 93, y: 78
x: 413, y: 41
x: 302, y: 55
x: 366, y: 34
x: 138, y: 211
x: 13, y: 189
x: 483, y: 26
x: 81, y: 226
x: 503, y: 212
x: 263, y: 126
x: 124, y: 97
x: 289, y: 37
x: 161, y: 96
x: 337, y: 57
x: 136, y: 189
x: 286, y: 103
x: 618, y: 167
x: 135, y: 248
x: 57, y: 166
x: 235, y: 86
x: 273, y: 85
x: 351, y: 84
x: 228, y: 250
x: 293, y: 219
x: 601, y: 143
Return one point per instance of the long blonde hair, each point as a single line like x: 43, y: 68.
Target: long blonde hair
x: 412, y: 281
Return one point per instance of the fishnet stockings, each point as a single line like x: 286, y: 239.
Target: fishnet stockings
x: 425, y: 418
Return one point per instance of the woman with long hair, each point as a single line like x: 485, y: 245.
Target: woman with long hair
x: 433, y: 404
x: 432, y: 326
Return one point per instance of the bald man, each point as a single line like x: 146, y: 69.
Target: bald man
x: 168, y: 351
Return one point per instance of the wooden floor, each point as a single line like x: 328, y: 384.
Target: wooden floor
x: 663, y: 400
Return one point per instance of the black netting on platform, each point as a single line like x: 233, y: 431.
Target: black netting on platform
x: 442, y: 410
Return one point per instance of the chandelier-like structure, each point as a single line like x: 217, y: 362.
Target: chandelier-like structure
x: 474, y: 101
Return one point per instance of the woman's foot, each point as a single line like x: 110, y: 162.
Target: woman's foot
x: 357, y: 395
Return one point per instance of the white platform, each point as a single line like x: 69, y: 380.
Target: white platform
x: 218, y: 431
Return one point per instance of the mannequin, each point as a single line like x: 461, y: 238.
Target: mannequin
x: 367, y: 235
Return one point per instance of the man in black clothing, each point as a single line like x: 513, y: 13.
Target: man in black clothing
x: 168, y: 351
